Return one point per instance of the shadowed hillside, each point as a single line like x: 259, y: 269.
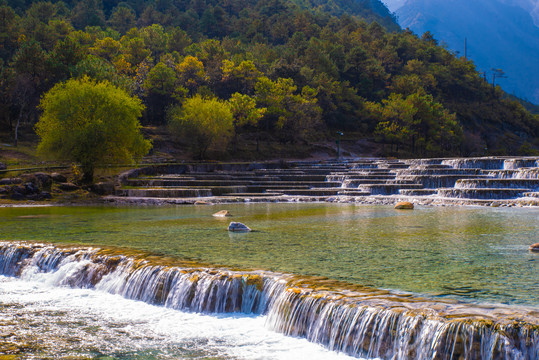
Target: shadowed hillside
x: 500, y: 35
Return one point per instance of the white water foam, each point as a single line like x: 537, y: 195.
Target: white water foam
x: 67, y: 321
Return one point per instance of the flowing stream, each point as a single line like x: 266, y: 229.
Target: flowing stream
x: 316, y: 281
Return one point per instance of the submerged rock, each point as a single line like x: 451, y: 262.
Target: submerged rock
x: 238, y: 227
x: 222, y: 213
x: 404, y: 205
x: 534, y: 247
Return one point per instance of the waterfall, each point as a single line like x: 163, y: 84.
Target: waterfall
x: 475, y: 163
x: 522, y: 173
x: 510, y: 164
x: 343, y: 317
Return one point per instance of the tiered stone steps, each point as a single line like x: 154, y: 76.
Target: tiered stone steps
x: 474, y: 179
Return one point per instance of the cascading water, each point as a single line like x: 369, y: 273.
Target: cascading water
x: 475, y: 163
x: 478, y: 181
x: 519, y: 163
x: 346, y: 318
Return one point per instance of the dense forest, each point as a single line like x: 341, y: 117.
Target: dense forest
x: 289, y: 71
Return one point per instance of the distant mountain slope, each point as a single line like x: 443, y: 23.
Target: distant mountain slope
x: 531, y: 6
x: 499, y: 36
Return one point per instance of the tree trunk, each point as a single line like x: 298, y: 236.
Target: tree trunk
x: 87, y: 173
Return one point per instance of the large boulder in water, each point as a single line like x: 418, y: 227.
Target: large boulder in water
x: 404, y: 205
x: 238, y: 227
x: 534, y: 247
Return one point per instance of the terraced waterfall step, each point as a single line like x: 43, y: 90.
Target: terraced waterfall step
x: 165, y: 193
x: 531, y: 184
x: 478, y: 179
x: 482, y: 193
x: 418, y: 192
x: 308, y: 192
x: 388, y: 189
x: 438, y: 181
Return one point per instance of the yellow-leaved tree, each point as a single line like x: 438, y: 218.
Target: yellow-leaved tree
x: 91, y: 123
x: 203, y: 123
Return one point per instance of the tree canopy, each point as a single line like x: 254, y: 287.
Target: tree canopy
x: 314, y: 66
x: 91, y: 123
x: 203, y: 123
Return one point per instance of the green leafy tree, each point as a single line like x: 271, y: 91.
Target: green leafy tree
x: 88, y: 13
x: 245, y: 113
x: 107, y: 48
x: 293, y: 116
x: 239, y: 78
x: 160, y: 85
x: 178, y: 40
x: 203, y: 124
x: 418, y: 122
x: 155, y: 39
x: 91, y: 123
x: 191, y: 73
x: 9, y: 31
x: 134, y: 50
x: 122, y: 19
x: 65, y: 56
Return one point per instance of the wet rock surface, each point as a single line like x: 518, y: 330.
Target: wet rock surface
x: 404, y: 205
x: 222, y: 213
x: 238, y: 227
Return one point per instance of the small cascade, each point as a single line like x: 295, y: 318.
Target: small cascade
x: 435, y: 181
x: 522, y: 173
x: 414, y: 163
x: 485, y: 163
x: 347, y: 318
x: 425, y: 181
x: 513, y: 183
x: 511, y: 164
x: 481, y: 193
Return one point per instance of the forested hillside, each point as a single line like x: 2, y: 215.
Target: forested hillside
x: 500, y: 35
x: 284, y: 71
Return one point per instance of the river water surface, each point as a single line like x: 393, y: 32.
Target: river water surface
x: 472, y: 255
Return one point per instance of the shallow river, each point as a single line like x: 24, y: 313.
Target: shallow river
x: 477, y: 255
